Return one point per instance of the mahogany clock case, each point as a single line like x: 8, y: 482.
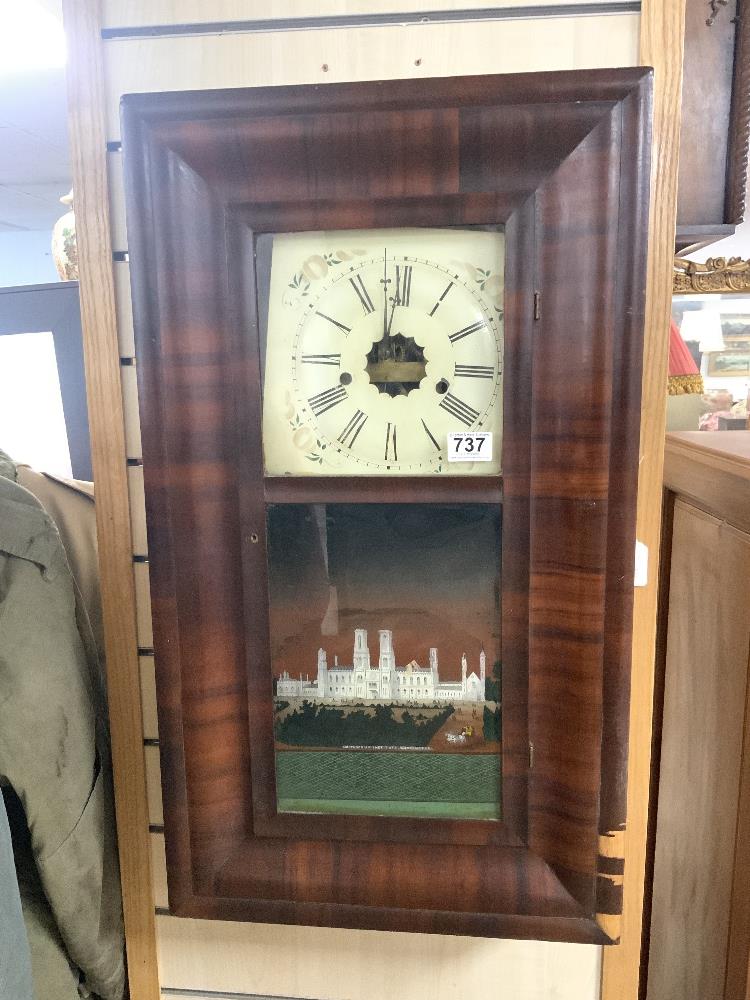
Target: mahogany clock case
x: 560, y: 160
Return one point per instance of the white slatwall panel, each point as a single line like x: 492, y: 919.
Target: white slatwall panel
x: 130, y: 404
x: 320, y: 962
x: 236, y: 60
x: 153, y: 786
x: 159, y: 871
x: 137, y: 509
x: 147, y: 668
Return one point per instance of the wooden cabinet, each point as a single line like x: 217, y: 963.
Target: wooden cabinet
x: 700, y: 917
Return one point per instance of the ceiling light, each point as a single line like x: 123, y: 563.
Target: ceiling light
x: 31, y: 37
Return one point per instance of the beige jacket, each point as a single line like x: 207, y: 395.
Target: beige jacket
x: 53, y: 745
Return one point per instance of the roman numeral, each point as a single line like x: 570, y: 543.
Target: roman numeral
x: 474, y: 371
x: 351, y: 432
x: 359, y: 287
x: 460, y: 410
x: 430, y: 435
x: 321, y: 359
x: 460, y: 334
x: 345, y: 329
x: 327, y: 399
x: 403, y: 284
x: 437, y: 304
x: 390, y: 443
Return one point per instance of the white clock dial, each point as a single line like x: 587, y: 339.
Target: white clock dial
x: 393, y: 344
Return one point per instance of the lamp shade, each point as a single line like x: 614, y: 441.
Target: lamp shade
x: 684, y: 377
x: 703, y: 325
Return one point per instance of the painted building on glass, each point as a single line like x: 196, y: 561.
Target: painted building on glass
x: 363, y: 681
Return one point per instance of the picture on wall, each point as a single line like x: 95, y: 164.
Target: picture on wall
x: 734, y: 360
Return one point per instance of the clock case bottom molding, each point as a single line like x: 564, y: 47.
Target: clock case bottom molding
x: 561, y: 161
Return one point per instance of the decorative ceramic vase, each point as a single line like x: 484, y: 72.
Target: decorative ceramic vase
x: 64, y: 249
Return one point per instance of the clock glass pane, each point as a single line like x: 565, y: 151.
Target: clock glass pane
x: 379, y: 344
x: 385, y: 646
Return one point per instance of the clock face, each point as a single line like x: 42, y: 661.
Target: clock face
x: 380, y: 345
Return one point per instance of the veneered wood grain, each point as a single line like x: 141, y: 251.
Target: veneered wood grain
x: 197, y: 434
x: 191, y: 485
x: 520, y: 248
x: 569, y: 489
x: 630, y: 257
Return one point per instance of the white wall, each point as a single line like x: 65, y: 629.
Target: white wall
x: 26, y: 258
x: 733, y: 246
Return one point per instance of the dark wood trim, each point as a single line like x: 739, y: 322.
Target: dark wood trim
x: 382, y: 489
x: 604, y: 88
x: 691, y: 238
x: 623, y: 489
x: 739, y: 122
x: 470, y: 209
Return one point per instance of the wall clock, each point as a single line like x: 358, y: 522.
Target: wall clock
x: 388, y: 344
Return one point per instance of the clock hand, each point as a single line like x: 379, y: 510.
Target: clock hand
x: 385, y: 293
x: 390, y: 321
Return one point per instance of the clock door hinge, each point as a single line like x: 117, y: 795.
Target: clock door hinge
x: 531, y: 755
x: 537, y: 305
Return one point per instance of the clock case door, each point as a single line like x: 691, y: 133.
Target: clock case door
x: 561, y: 161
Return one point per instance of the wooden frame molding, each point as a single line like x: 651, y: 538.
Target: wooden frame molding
x: 86, y: 104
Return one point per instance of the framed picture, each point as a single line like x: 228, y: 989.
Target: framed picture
x: 388, y: 343
x: 734, y: 360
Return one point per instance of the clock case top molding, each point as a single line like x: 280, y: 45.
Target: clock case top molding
x: 561, y: 161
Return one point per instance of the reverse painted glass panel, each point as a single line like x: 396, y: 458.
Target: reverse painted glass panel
x: 385, y: 644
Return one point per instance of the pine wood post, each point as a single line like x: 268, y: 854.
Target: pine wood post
x: 86, y: 123
x: 662, y: 38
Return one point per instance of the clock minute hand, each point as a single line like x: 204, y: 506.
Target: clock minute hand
x: 385, y: 294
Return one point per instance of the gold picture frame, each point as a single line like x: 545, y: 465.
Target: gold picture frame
x: 716, y: 275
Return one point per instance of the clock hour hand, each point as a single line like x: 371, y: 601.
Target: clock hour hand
x: 390, y: 320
